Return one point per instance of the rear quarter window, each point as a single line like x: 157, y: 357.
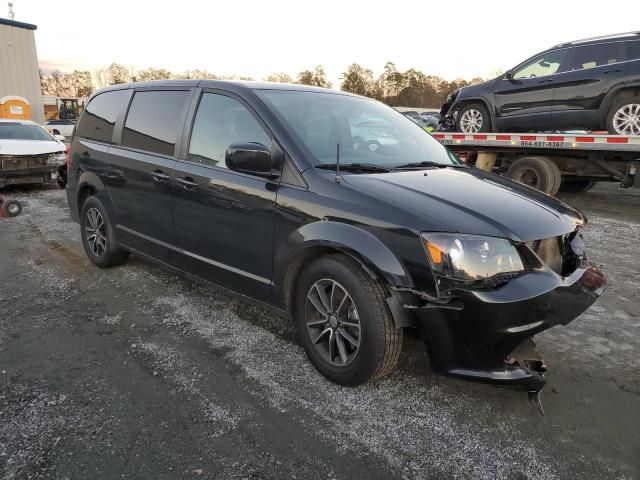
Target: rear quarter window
x: 99, y: 118
x: 633, y: 50
x: 155, y: 120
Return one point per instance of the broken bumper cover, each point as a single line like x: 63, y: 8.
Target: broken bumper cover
x: 474, y: 337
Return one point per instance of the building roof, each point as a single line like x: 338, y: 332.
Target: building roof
x: 13, y: 23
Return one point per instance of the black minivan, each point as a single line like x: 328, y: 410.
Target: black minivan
x: 589, y: 84
x: 266, y: 190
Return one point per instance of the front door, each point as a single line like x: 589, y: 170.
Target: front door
x: 524, y: 100
x: 141, y: 167
x: 580, y: 91
x: 224, y: 220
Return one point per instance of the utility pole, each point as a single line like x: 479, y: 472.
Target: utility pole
x: 11, y: 14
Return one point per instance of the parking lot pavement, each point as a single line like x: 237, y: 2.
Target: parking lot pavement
x: 135, y: 372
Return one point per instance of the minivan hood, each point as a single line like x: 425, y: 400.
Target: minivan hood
x: 472, y: 201
x: 29, y: 147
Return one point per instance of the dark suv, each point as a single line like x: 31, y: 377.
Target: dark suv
x: 265, y: 190
x: 591, y: 84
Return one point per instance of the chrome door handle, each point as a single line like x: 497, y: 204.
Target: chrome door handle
x: 159, y: 176
x: 187, y: 183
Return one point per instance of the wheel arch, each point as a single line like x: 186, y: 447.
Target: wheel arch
x: 89, y: 184
x: 327, y: 237
x: 633, y: 90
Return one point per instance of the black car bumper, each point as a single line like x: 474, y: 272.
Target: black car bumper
x: 475, y: 337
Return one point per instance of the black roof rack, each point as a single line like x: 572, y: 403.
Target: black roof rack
x: 614, y: 36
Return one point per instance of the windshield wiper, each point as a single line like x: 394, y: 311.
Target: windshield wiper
x: 356, y: 167
x: 428, y: 163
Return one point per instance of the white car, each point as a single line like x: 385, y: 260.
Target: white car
x: 61, y: 127
x: 30, y: 154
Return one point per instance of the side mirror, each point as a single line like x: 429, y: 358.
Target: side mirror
x: 60, y: 138
x: 508, y: 75
x: 252, y: 158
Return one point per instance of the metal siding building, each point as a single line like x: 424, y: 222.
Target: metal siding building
x: 19, y: 74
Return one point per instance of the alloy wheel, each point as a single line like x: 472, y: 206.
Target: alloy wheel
x: 332, y: 322
x: 95, y: 230
x: 471, y: 121
x: 626, y: 120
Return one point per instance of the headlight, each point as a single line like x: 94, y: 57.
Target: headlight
x: 452, y: 95
x: 56, y: 159
x: 465, y: 259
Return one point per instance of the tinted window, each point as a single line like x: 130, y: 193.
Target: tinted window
x: 633, y: 50
x: 155, y: 120
x: 592, y: 56
x: 546, y: 64
x: 220, y: 122
x: 100, y: 116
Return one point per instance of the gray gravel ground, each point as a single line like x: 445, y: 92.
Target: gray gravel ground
x: 135, y: 372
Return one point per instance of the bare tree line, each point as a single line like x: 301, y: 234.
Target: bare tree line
x: 409, y: 88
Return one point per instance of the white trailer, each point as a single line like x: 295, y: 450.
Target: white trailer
x: 571, y: 162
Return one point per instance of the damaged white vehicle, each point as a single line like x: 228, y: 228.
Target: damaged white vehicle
x: 30, y: 154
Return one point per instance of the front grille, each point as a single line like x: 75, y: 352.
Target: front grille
x: 549, y: 252
x: 19, y: 162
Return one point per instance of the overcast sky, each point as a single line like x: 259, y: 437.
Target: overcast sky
x: 452, y: 39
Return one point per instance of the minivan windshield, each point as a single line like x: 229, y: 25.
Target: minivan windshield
x: 369, y: 132
x: 20, y: 131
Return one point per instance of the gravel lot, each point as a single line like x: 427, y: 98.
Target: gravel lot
x: 135, y: 372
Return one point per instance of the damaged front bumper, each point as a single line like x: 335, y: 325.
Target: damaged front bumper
x: 485, y: 335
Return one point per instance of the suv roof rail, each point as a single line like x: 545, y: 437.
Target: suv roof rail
x: 601, y: 37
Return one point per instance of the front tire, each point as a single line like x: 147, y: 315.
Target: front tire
x: 344, y: 323
x: 98, y: 237
x: 473, y: 118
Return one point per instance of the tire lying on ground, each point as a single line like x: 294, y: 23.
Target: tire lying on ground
x: 11, y: 208
x: 537, y: 172
x: 344, y: 323
x: 577, y: 186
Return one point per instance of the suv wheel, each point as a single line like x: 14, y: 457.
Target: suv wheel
x: 537, y: 172
x: 473, y: 118
x: 97, y: 235
x: 624, y: 117
x: 344, y: 323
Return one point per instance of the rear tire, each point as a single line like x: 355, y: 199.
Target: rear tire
x: 577, y: 186
x: 98, y: 236
x: 473, y: 118
x: 537, y: 172
x: 621, y: 109
x: 351, y: 297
